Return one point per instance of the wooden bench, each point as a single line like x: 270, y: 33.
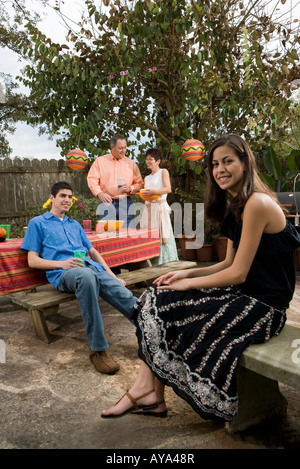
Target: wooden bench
x: 47, y: 301
x: 261, y: 368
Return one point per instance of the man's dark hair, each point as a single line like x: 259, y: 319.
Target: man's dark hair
x: 58, y: 186
x: 115, y: 138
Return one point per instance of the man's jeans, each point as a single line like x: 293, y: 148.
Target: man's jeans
x: 119, y: 209
x: 88, y: 283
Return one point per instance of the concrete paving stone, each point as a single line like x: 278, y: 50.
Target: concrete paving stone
x: 51, y: 396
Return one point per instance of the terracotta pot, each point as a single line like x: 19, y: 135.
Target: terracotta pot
x: 205, y: 253
x: 187, y: 254
x: 220, y: 247
x: 298, y: 258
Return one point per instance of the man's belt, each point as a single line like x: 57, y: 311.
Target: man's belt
x: 116, y: 199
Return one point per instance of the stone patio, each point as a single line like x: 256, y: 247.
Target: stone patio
x: 51, y: 396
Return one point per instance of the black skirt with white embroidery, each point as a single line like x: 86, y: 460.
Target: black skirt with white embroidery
x: 192, y: 341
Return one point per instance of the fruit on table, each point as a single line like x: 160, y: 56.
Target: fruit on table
x: 3, y: 232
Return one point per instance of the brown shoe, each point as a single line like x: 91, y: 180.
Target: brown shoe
x: 104, y: 362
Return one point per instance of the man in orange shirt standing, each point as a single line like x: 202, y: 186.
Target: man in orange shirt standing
x: 113, y: 178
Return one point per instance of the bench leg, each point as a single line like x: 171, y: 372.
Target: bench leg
x: 40, y: 326
x: 259, y: 400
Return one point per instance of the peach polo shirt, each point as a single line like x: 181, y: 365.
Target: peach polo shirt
x: 106, y: 170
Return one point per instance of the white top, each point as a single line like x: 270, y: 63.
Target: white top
x: 155, y: 181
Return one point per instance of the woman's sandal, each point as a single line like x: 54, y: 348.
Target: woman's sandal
x: 144, y: 408
x: 153, y: 414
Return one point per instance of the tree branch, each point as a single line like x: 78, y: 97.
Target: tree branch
x: 154, y: 128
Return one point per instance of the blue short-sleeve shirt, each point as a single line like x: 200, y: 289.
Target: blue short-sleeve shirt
x: 55, y: 239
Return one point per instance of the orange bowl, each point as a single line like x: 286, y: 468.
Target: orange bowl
x: 112, y: 225
x: 99, y: 227
x: 149, y: 199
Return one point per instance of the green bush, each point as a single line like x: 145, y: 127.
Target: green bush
x: 84, y: 209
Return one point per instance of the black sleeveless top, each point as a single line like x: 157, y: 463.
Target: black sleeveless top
x: 272, y: 276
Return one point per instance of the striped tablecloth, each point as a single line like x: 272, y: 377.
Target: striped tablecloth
x: 116, y: 248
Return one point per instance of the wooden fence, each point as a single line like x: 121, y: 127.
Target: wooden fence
x: 25, y: 183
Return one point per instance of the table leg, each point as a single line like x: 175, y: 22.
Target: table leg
x: 40, y: 326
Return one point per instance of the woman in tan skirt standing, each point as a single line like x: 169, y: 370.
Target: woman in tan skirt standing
x: 156, y: 214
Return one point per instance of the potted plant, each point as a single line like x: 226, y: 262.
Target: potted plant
x: 202, y: 253
x: 205, y: 252
x: 191, y: 251
x: 220, y: 247
x: 283, y: 176
x: 187, y: 253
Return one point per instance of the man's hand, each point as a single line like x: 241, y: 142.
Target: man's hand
x: 37, y: 262
x: 106, y: 199
x: 125, y: 189
x: 72, y: 263
x: 121, y: 281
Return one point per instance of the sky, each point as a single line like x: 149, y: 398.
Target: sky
x: 26, y: 141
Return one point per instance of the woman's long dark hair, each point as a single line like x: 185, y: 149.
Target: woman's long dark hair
x: 216, y: 198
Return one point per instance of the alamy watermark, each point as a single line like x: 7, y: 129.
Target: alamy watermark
x: 188, y: 219
x: 2, y: 351
x: 2, y: 93
x: 296, y: 353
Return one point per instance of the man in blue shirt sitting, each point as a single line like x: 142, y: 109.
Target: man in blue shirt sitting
x: 50, y: 240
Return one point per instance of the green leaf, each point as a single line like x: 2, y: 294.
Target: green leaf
x: 272, y: 162
x: 293, y: 160
x: 267, y: 179
x: 68, y: 69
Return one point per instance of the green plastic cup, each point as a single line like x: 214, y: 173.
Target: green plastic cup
x: 80, y: 254
x: 7, y: 229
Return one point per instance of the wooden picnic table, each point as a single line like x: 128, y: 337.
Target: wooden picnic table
x: 117, y: 248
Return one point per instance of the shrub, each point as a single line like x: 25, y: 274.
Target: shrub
x: 83, y: 209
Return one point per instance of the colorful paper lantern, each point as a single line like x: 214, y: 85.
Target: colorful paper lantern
x: 192, y: 149
x: 76, y: 159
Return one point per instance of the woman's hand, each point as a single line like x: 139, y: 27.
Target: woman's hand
x: 181, y: 285
x: 148, y: 193
x: 170, y: 277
